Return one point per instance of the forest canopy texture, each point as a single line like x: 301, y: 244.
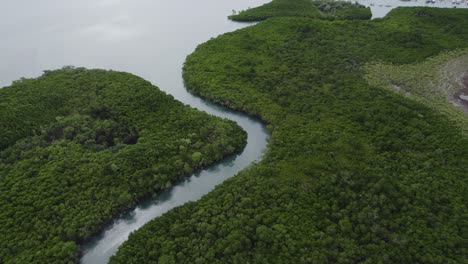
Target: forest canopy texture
x: 80, y: 146
x: 354, y: 173
x: 321, y: 9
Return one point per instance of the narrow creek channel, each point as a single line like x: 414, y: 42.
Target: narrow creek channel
x: 102, y: 247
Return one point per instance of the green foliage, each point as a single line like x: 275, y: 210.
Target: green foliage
x: 354, y: 173
x: 80, y: 146
x: 321, y: 9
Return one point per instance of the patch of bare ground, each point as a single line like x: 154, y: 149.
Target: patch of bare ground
x: 460, y: 99
x: 455, y: 75
x: 440, y: 82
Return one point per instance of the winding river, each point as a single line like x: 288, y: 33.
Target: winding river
x: 149, y: 38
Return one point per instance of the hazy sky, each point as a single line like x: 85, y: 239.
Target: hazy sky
x: 147, y: 37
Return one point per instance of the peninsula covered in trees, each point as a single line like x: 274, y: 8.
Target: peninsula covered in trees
x: 354, y: 173
x: 78, y: 147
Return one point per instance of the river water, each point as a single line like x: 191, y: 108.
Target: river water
x: 149, y: 38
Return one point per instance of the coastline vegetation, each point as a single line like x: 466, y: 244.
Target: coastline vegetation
x: 80, y: 146
x: 321, y: 9
x: 354, y: 172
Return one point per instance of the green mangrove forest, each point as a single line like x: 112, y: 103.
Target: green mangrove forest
x: 320, y: 9
x: 78, y: 147
x: 355, y: 172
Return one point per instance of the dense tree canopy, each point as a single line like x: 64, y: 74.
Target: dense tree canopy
x: 354, y: 172
x: 322, y: 9
x: 80, y: 146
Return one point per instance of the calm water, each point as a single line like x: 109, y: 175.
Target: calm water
x: 149, y: 38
